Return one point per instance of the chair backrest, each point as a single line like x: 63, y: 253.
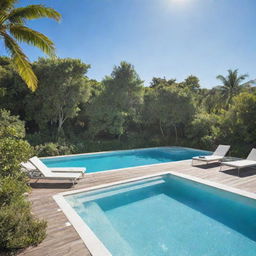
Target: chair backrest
x: 252, y: 155
x: 40, y: 166
x: 28, y: 166
x: 221, y: 150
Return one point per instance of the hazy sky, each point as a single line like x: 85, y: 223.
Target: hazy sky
x: 172, y: 38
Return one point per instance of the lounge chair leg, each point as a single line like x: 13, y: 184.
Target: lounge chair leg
x: 238, y: 170
x: 220, y: 168
x: 73, y: 182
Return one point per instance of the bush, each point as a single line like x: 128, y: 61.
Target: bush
x: 53, y: 149
x: 11, y: 190
x: 12, y: 153
x: 18, y: 227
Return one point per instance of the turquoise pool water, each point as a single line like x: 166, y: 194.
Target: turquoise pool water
x: 123, y: 159
x: 169, y: 215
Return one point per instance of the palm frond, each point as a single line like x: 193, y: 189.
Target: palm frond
x: 20, y: 61
x: 31, y: 12
x: 6, y: 4
x: 3, y: 17
x: 222, y: 79
x: 242, y: 77
x: 32, y: 37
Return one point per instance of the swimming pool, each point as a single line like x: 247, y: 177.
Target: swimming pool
x: 163, y: 215
x: 123, y: 159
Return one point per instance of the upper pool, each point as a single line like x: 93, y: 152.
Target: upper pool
x: 123, y: 159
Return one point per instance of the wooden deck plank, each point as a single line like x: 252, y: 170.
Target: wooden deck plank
x: 62, y: 240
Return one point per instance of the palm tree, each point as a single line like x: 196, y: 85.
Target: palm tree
x: 13, y: 29
x: 231, y: 84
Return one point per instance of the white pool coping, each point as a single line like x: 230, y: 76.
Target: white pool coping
x: 118, y: 150
x: 92, y: 242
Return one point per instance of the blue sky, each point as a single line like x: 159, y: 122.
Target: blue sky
x: 171, y: 38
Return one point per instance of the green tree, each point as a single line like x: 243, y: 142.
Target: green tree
x: 13, y: 29
x: 202, y: 132
x: 63, y: 86
x: 157, y: 81
x: 210, y: 100
x: 238, y: 124
x: 170, y: 108
x: 14, y: 89
x: 119, y: 102
x: 192, y: 82
x: 231, y: 84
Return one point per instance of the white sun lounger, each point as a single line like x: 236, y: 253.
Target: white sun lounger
x: 217, y: 155
x: 239, y: 164
x: 46, y: 173
x: 29, y: 167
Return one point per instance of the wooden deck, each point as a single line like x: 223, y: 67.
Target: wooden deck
x: 63, y: 240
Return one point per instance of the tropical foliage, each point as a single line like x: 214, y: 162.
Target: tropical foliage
x: 69, y: 113
x: 231, y: 85
x: 18, y: 227
x: 13, y: 29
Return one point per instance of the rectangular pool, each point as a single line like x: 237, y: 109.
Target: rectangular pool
x: 165, y: 215
x: 123, y: 159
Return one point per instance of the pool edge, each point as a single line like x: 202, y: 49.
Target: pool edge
x: 91, y: 241
x: 121, y: 150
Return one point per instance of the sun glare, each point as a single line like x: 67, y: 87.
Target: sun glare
x: 179, y: 1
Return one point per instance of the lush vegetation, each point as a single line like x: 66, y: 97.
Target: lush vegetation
x: 51, y: 107
x: 18, y: 227
x: 13, y: 29
x: 70, y: 113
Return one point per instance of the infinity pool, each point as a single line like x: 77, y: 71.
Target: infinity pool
x: 123, y: 159
x: 169, y: 215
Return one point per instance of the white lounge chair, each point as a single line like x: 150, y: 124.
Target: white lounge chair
x: 29, y: 167
x: 217, y: 155
x: 239, y: 164
x: 43, y: 172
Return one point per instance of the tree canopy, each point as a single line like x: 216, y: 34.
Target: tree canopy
x: 119, y: 102
x: 70, y: 113
x: 231, y: 85
x: 63, y: 87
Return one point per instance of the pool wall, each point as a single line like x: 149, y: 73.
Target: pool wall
x: 91, y: 241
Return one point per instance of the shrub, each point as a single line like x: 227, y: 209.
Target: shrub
x: 18, y: 227
x: 53, y: 149
x: 12, y: 153
x: 11, y: 189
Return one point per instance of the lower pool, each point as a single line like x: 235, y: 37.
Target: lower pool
x: 168, y: 215
x: 124, y: 159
